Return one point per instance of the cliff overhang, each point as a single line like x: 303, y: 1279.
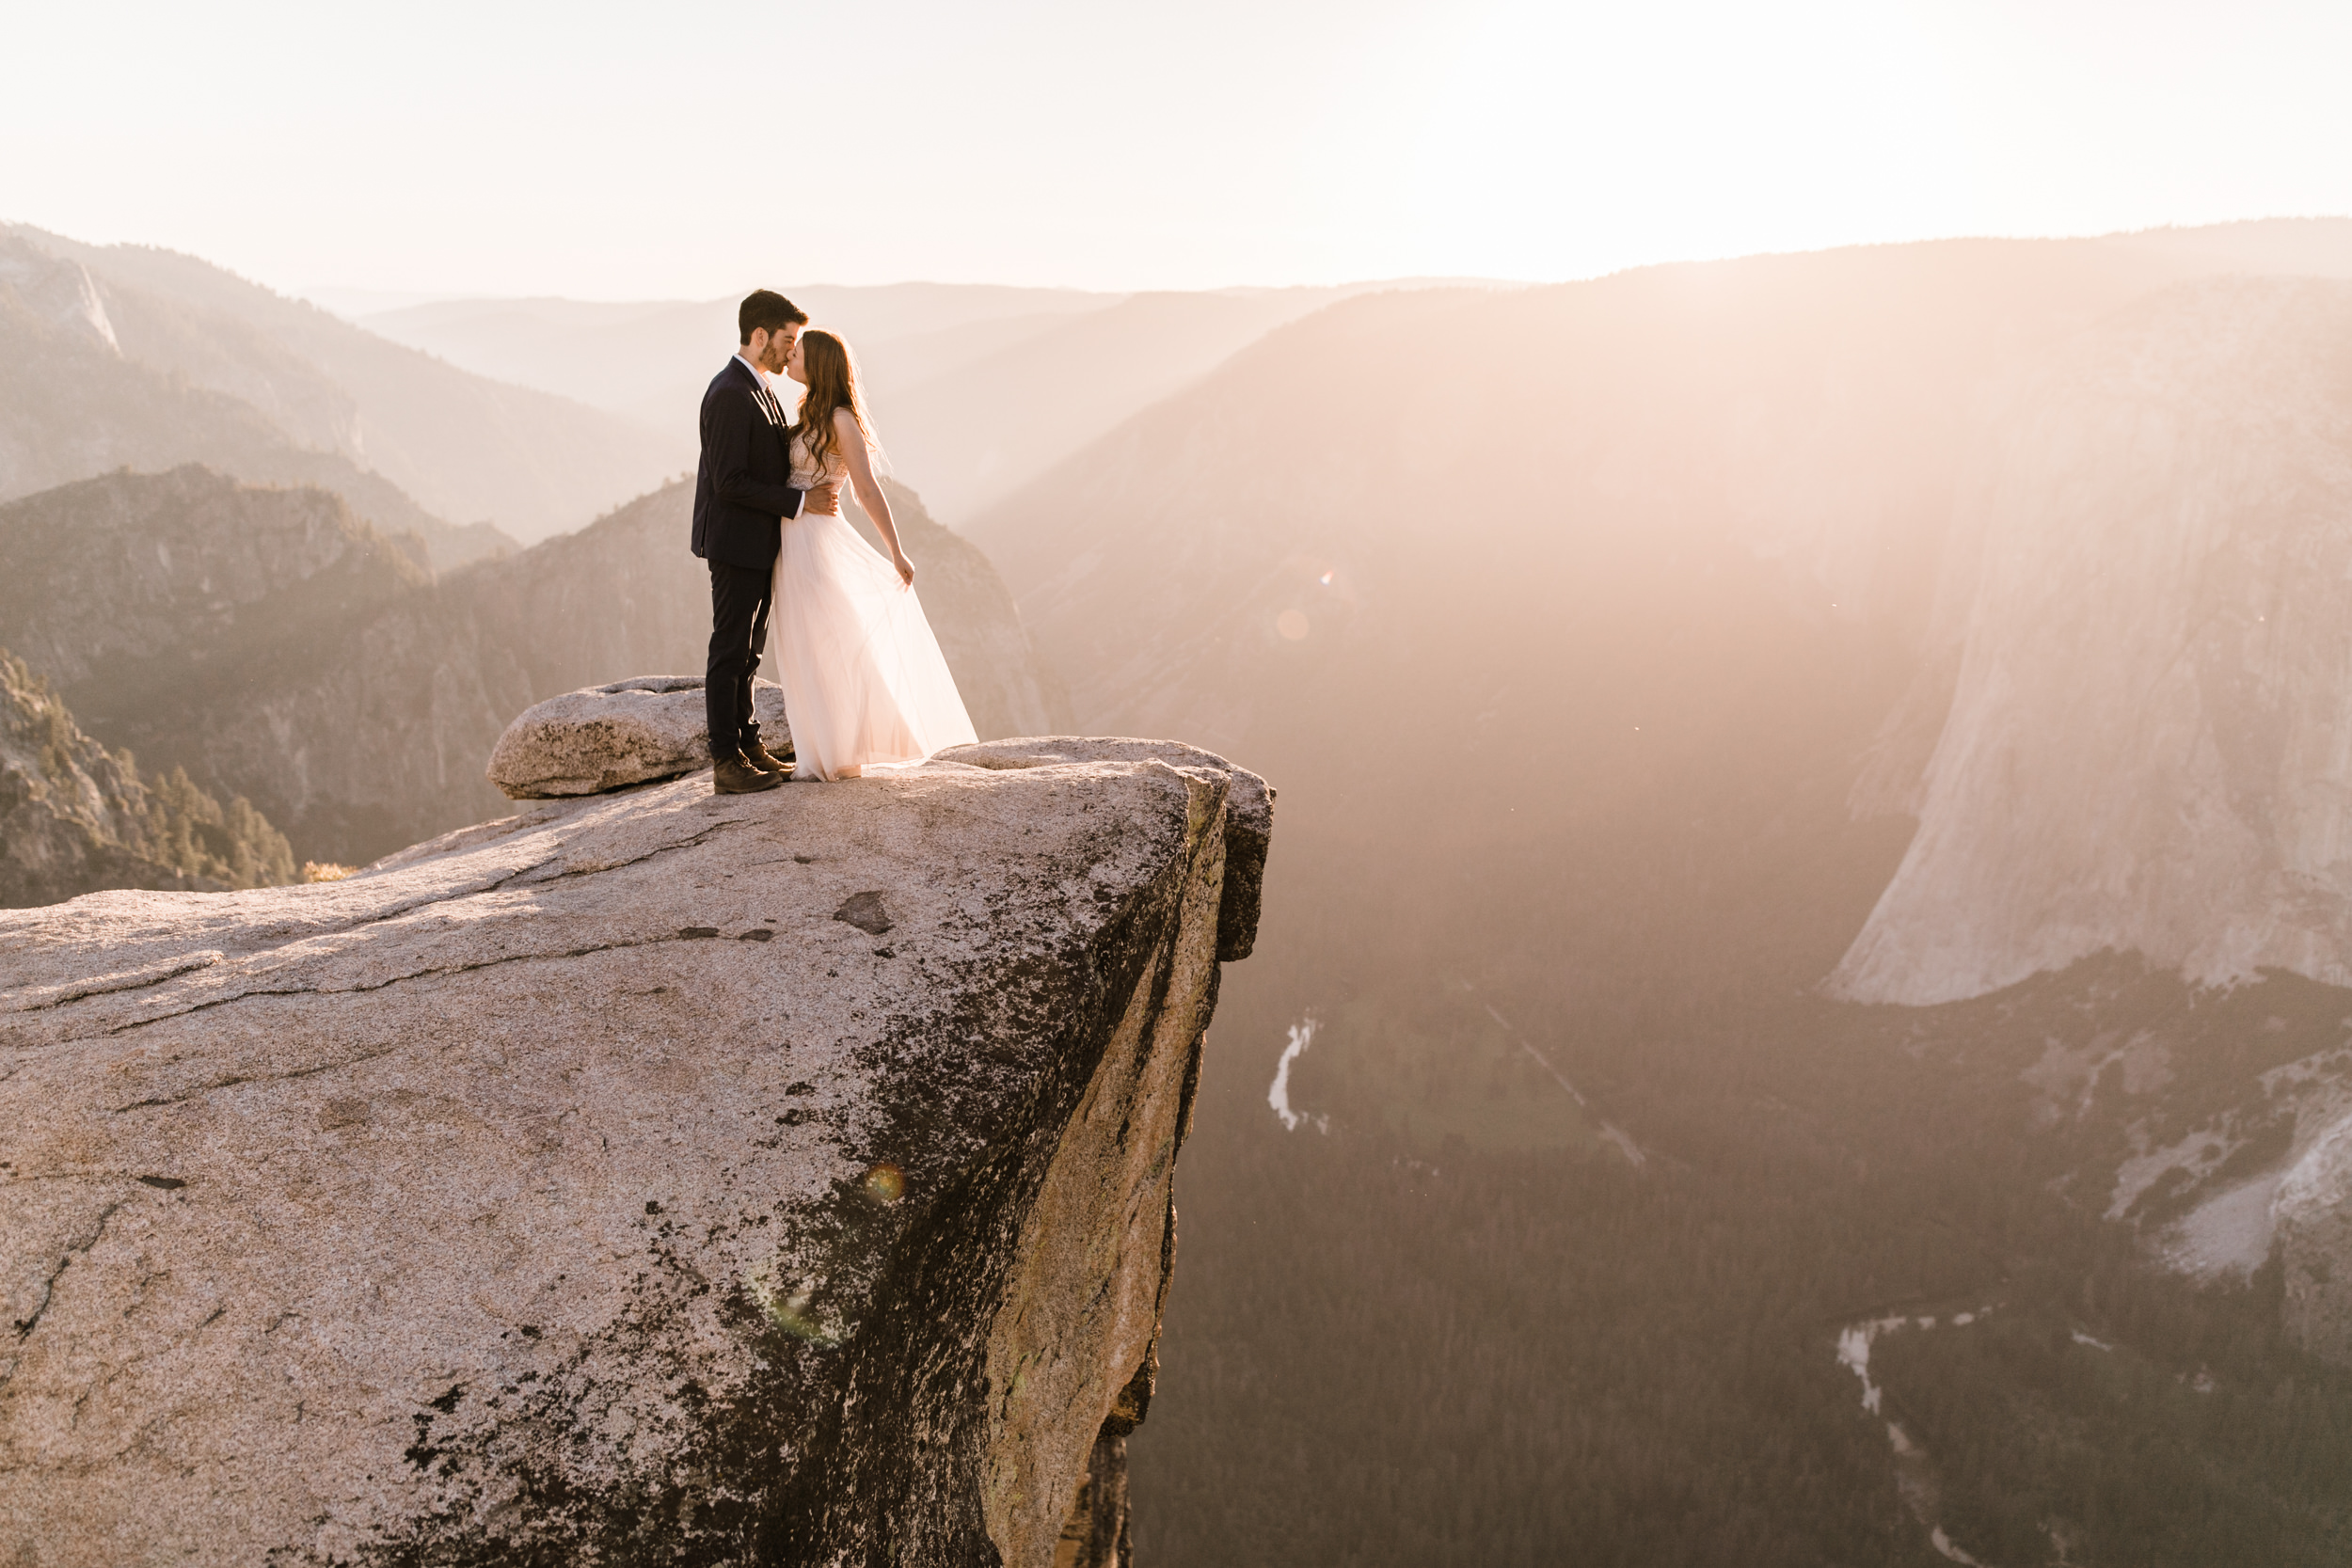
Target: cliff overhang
x: 656, y: 1176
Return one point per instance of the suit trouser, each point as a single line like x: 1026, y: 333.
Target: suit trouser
x: 740, y: 597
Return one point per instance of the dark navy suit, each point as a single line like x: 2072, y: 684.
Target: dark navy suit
x: 742, y: 498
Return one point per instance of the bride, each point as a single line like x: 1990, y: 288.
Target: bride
x: 865, y: 685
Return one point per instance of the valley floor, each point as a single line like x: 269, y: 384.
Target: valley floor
x: 1384, y: 1349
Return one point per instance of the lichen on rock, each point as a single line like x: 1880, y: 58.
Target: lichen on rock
x: 577, y: 1187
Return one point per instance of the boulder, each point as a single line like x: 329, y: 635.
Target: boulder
x: 607, y: 738
x: 577, y: 1188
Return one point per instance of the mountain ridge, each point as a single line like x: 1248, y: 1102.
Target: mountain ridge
x: 1834, y: 419
x: 278, y: 647
x: 466, y: 449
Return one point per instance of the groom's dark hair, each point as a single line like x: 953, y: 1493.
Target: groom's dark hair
x: 765, y: 308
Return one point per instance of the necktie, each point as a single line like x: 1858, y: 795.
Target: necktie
x: 768, y: 404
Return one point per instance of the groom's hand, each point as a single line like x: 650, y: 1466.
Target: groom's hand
x: 825, y: 499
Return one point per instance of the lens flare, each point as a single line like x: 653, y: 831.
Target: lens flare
x: 884, y: 1183
x: 791, y: 1305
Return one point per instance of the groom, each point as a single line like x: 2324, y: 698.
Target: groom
x: 741, y: 501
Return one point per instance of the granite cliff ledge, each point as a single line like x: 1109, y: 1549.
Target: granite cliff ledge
x: 653, y: 1177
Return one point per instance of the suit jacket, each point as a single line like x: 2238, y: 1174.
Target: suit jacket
x: 740, y: 494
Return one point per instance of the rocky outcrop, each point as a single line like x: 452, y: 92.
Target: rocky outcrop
x: 657, y: 1177
x: 59, y: 293
x: 2144, y: 748
x: 1248, y: 811
x: 267, y: 642
x: 2312, y: 1221
x: 607, y: 738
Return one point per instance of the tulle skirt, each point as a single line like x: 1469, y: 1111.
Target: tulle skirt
x: 864, y: 684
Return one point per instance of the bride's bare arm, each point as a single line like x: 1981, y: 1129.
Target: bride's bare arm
x: 869, y: 492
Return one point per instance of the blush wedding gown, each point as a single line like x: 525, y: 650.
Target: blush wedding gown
x: 864, y: 684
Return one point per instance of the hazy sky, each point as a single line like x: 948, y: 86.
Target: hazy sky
x: 683, y: 150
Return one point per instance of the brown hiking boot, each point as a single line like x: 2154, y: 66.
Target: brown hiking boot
x: 735, y: 776
x: 766, y: 761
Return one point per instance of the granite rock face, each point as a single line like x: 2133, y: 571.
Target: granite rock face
x: 607, y: 738
x: 2144, y: 747
x: 577, y: 1188
x: 1248, y: 807
x: 2312, y: 1221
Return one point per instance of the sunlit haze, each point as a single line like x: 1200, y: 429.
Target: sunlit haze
x: 1652, y: 696
x: 612, y: 153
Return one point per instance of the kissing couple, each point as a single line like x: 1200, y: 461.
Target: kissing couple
x: 864, y: 684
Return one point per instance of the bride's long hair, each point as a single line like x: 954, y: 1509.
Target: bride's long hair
x: 832, y: 372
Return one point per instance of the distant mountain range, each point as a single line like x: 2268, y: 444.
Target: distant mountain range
x: 1662, y: 673
x: 650, y: 360
x: 278, y: 647
x: 976, y: 389
x: 1503, y: 550
x: 125, y: 356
